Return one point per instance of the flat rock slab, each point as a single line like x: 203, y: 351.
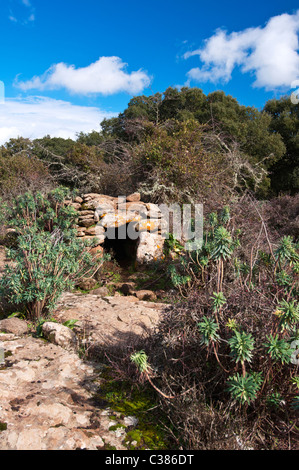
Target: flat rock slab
x: 46, y: 400
x: 47, y: 392
x: 116, y: 321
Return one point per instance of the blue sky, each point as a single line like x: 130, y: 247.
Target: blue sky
x: 67, y: 64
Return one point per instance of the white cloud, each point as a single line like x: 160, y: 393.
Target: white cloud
x: 270, y: 53
x: 106, y: 76
x: 35, y: 117
x: 24, y: 16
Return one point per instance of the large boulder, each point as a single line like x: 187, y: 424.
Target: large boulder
x: 154, y: 211
x: 135, y: 197
x: 127, y: 288
x: 146, y: 295
x: 13, y: 325
x: 60, y: 335
x: 87, y: 283
x: 98, y: 201
x: 150, y: 247
x: 101, y: 291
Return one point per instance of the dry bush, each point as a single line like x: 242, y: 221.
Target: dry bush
x: 282, y: 215
x: 21, y: 173
x: 195, y: 373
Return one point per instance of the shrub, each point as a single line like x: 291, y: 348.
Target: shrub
x: 226, y: 351
x: 282, y: 215
x: 20, y: 173
x: 48, y: 257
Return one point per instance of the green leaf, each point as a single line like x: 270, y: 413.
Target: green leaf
x: 70, y: 323
x: 242, y: 346
x: 244, y: 389
x: 208, y: 329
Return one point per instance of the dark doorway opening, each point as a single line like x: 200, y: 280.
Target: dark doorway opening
x: 123, y: 250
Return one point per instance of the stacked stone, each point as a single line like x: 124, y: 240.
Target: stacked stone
x: 100, y: 213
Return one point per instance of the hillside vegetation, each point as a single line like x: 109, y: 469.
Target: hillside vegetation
x: 179, y: 144
x: 223, y: 361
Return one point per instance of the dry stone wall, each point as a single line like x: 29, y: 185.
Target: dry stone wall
x: 105, y: 216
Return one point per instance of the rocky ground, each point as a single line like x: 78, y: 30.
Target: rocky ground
x: 47, y: 391
x: 108, y: 321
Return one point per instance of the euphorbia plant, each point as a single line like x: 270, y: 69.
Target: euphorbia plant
x: 48, y: 258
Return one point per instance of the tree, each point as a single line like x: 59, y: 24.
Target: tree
x: 90, y: 139
x: 285, y: 122
x: 16, y: 146
x: 186, y: 103
x: 56, y: 145
x: 174, y: 162
x: 235, y: 124
x: 247, y: 126
x: 144, y: 107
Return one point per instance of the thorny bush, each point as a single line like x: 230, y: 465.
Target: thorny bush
x: 226, y: 355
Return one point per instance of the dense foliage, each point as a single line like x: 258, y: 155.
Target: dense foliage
x: 249, y: 148
x: 227, y: 355
x: 47, y: 258
x: 285, y: 122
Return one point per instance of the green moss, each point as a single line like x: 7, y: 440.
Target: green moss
x: 135, y: 435
x: 7, y: 354
x: 3, y: 427
x: 145, y: 438
x: 153, y: 278
x: 88, y: 291
x: 127, y: 399
x: 109, y: 447
x: 112, y: 418
x: 117, y: 426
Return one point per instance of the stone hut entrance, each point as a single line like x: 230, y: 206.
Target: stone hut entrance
x: 100, y: 214
x: 124, y: 251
